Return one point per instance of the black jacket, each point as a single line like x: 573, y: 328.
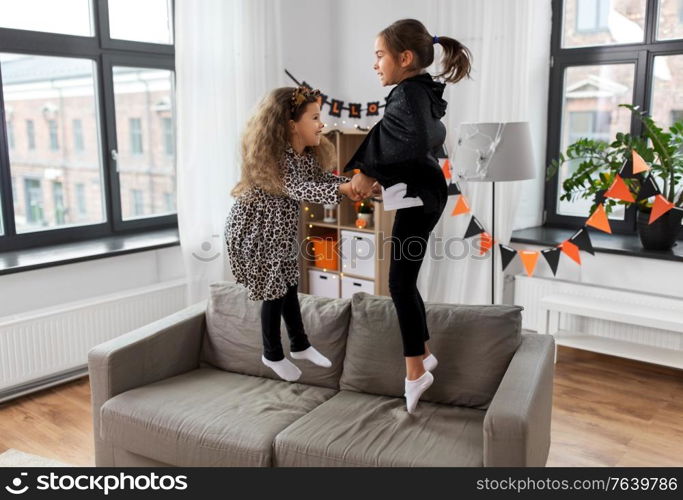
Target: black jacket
x: 404, y: 145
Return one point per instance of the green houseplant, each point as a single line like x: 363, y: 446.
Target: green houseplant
x: 600, y: 162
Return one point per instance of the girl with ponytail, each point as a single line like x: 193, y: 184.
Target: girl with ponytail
x: 400, y: 154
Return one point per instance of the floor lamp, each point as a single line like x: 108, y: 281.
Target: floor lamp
x: 494, y: 152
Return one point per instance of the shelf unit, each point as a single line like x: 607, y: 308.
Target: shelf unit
x: 311, y: 225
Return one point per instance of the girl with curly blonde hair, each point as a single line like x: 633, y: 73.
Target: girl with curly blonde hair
x: 285, y: 160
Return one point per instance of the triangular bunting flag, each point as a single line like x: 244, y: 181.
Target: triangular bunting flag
x: 453, y: 188
x: 474, y: 227
x: 626, y: 171
x: 461, y: 206
x: 446, y: 168
x: 506, y: 255
x: 582, y: 240
x: 552, y: 256
x: 486, y: 243
x: 598, y: 219
x: 571, y: 250
x: 659, y: 208
x: 648, y: 188
x: 529, y: 259
x: 600, y: 197
x: 639, y: 164
x: 619, y: 190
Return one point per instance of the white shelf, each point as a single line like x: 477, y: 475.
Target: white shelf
x: 621, y: 348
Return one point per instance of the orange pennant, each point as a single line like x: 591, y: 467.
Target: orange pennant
x: 529, y: 259
x: 446, y: 169
x: 639, y: 164
x: 619, y: 190
x: 485, y: 243
x: 599, y: 219
x: 571, y: 250
x: 659, y: 208
x: 461, y: 207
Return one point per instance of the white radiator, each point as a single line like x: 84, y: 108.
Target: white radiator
x: 50, y: 346
x: 529, y: 290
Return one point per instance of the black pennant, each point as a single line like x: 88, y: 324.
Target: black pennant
x: 354, y: 110
x: 552, y: 256
x: 506, y: 255
x: 599, y: 197
x: 453, y: 188
x: 582, y: 240
x: 626, y: 171
x: 474, y: 227
x: 373, y: 108
x: 336, y: 107
x: 648, y: 188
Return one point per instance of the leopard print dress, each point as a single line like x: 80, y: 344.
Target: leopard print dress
x: 261, y: 228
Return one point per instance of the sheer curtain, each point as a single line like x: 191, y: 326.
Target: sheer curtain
x: 510, y: 45
x: 227, y: 57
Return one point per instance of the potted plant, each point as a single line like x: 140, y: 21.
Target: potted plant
x: 600, y: 162
x: 364, y: 214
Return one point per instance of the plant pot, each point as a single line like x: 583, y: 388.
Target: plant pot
x: 662, y: 233
x: 367, y: 218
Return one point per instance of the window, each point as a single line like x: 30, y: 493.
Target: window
x: 135, y: 136
x: 30, y: 134
x: 10, y: 134
x: 591, y: 15
x: 592, y: 73
x: 79, y: 145
x: 86, y: 86
x: 169, y: 140
x: 54, y: 140
x: 80, y: 200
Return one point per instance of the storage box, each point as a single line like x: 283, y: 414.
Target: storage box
x: 323, y: 284
x: 349, y: 286
x: 358, y: 253
x: 325, y: 253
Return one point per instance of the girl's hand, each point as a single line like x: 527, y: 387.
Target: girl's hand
x: 347, y: 190
x: 363, y: 184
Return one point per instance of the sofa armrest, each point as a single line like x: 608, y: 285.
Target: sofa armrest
x: 517, y: 422
x: 164, y: 348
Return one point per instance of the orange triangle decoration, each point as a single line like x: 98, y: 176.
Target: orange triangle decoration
x: 529, y: 259
x: 639, y: 164
x: 486, y: 243
x: 446, y: 169
x: 659, y: 208
x: 461, y: 207
x: 619, y: 190
x: 599, y: 220
x: 571, y: 250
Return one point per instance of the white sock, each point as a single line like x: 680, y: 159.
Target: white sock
x: 430, y: 362
x: 415, y: 388
x: 313, y: 355
x: 284, y: 368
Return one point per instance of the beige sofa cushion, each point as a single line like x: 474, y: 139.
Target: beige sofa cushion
x: 352, y: 429
x: 207, y: 418
x: 473, y: 343
x: 233, y: 341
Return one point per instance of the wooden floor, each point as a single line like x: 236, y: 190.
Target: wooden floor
x: 607, y: 411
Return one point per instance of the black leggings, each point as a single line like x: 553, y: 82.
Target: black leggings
x: 271, y: 312
x: 408, y: 247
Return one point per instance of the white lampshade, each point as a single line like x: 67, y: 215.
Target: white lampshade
x: 494, y: 152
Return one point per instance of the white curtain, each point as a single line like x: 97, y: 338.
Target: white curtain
x: 227, y: 57
x: 510, y: 45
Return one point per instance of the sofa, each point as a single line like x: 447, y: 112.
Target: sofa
x: 190, y: 390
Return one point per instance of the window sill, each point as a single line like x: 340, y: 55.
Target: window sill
x: 620, y: 244
x: 69, y: 253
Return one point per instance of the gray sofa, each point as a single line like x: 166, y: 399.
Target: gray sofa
x: 190, y: 390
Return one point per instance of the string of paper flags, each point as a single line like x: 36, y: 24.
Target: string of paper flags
x: 337, y: 106
x: 580, y: 240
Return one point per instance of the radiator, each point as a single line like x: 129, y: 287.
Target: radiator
x: 50, y: 346
x: 529, y: 290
